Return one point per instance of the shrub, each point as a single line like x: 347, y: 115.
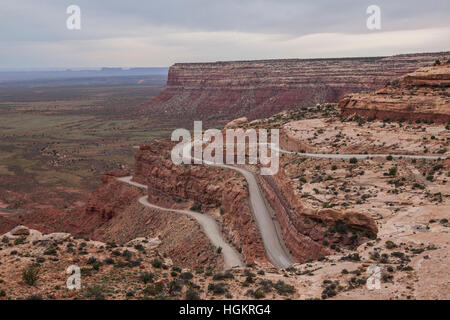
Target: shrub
x: 418, y: 186
x: 390, y: 245
x: 192, y: 294
x: 127, y: 254
x: 146, y: 277
x: 223, y: 276
x: 96, y: 265
x: 91, y: 260
x: 197, y: 206
x: 392, y: 171
x: 217, y: 289
x: 352, y: 257
x: 283, y: 288
x: 30, y: 275
x: 186, y: 276
x: 155, y: 289
x: 50, y: 252
x: 156, y: 263
x: 139, y: 247
x: 176, y: 269
x: 18, y: 241
x: 95, y: 292
x: 353, y: 160
x: 175, y: 286
x: 387, y: 277
x: 259, y: 293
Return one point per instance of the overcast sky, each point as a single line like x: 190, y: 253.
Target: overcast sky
x: 138, y: 33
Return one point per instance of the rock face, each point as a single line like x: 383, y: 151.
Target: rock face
x: 421, y: 95
x: 20, y: 231
x: 257, y: 89
x: 305, y: 230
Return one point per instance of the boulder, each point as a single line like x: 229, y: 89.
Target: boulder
x: 236, y: 123
x: 20, y: 231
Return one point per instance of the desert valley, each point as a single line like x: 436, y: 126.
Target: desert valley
x: 363, y: 182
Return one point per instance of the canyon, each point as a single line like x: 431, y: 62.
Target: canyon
x: 346, y: 195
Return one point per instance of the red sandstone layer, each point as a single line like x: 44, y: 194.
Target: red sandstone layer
x: 256, y: 89
x: 421, y: 95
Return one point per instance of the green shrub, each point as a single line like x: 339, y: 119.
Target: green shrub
x: 147, y: 277
x: 192, y: 294
x: 197, y: 206
x: 186, y: 276
x: 30, y: 275
x: 283, y: 288
x: 156, y: 263
x: 217, y: 289
x: 95, y: 292
x: 223, y: 276
x: 259, y: 293
x: 392, y: 171
x: 155, y: 289
x: 390, y: 245
x: 18, y: 241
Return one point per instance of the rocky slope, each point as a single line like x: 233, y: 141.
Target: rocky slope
x: 219, y: 192
x: 256, y: 89
x: 421, y: 95
x: 113, y: 214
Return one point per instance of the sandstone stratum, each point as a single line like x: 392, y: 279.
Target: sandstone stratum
x: 423, y: 95
x: 221, y: 91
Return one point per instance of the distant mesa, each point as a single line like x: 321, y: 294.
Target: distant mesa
x: 223, y: 91
x: 109, y: 69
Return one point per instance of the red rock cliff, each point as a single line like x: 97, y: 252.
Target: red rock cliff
x: 257, y: 89
x: 421, y: 95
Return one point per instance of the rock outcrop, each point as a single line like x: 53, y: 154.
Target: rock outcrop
x: 309, y: 232
x: 422, y: 95
x: 222, y: 91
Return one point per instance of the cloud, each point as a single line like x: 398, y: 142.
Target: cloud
x: 159, y: 33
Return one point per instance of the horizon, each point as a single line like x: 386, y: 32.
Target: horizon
x: 127, y: 68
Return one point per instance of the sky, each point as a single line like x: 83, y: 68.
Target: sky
x: 153, y: 33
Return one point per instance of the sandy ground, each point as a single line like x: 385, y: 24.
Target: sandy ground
x: 411, y: 205
x: 334, y: 136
